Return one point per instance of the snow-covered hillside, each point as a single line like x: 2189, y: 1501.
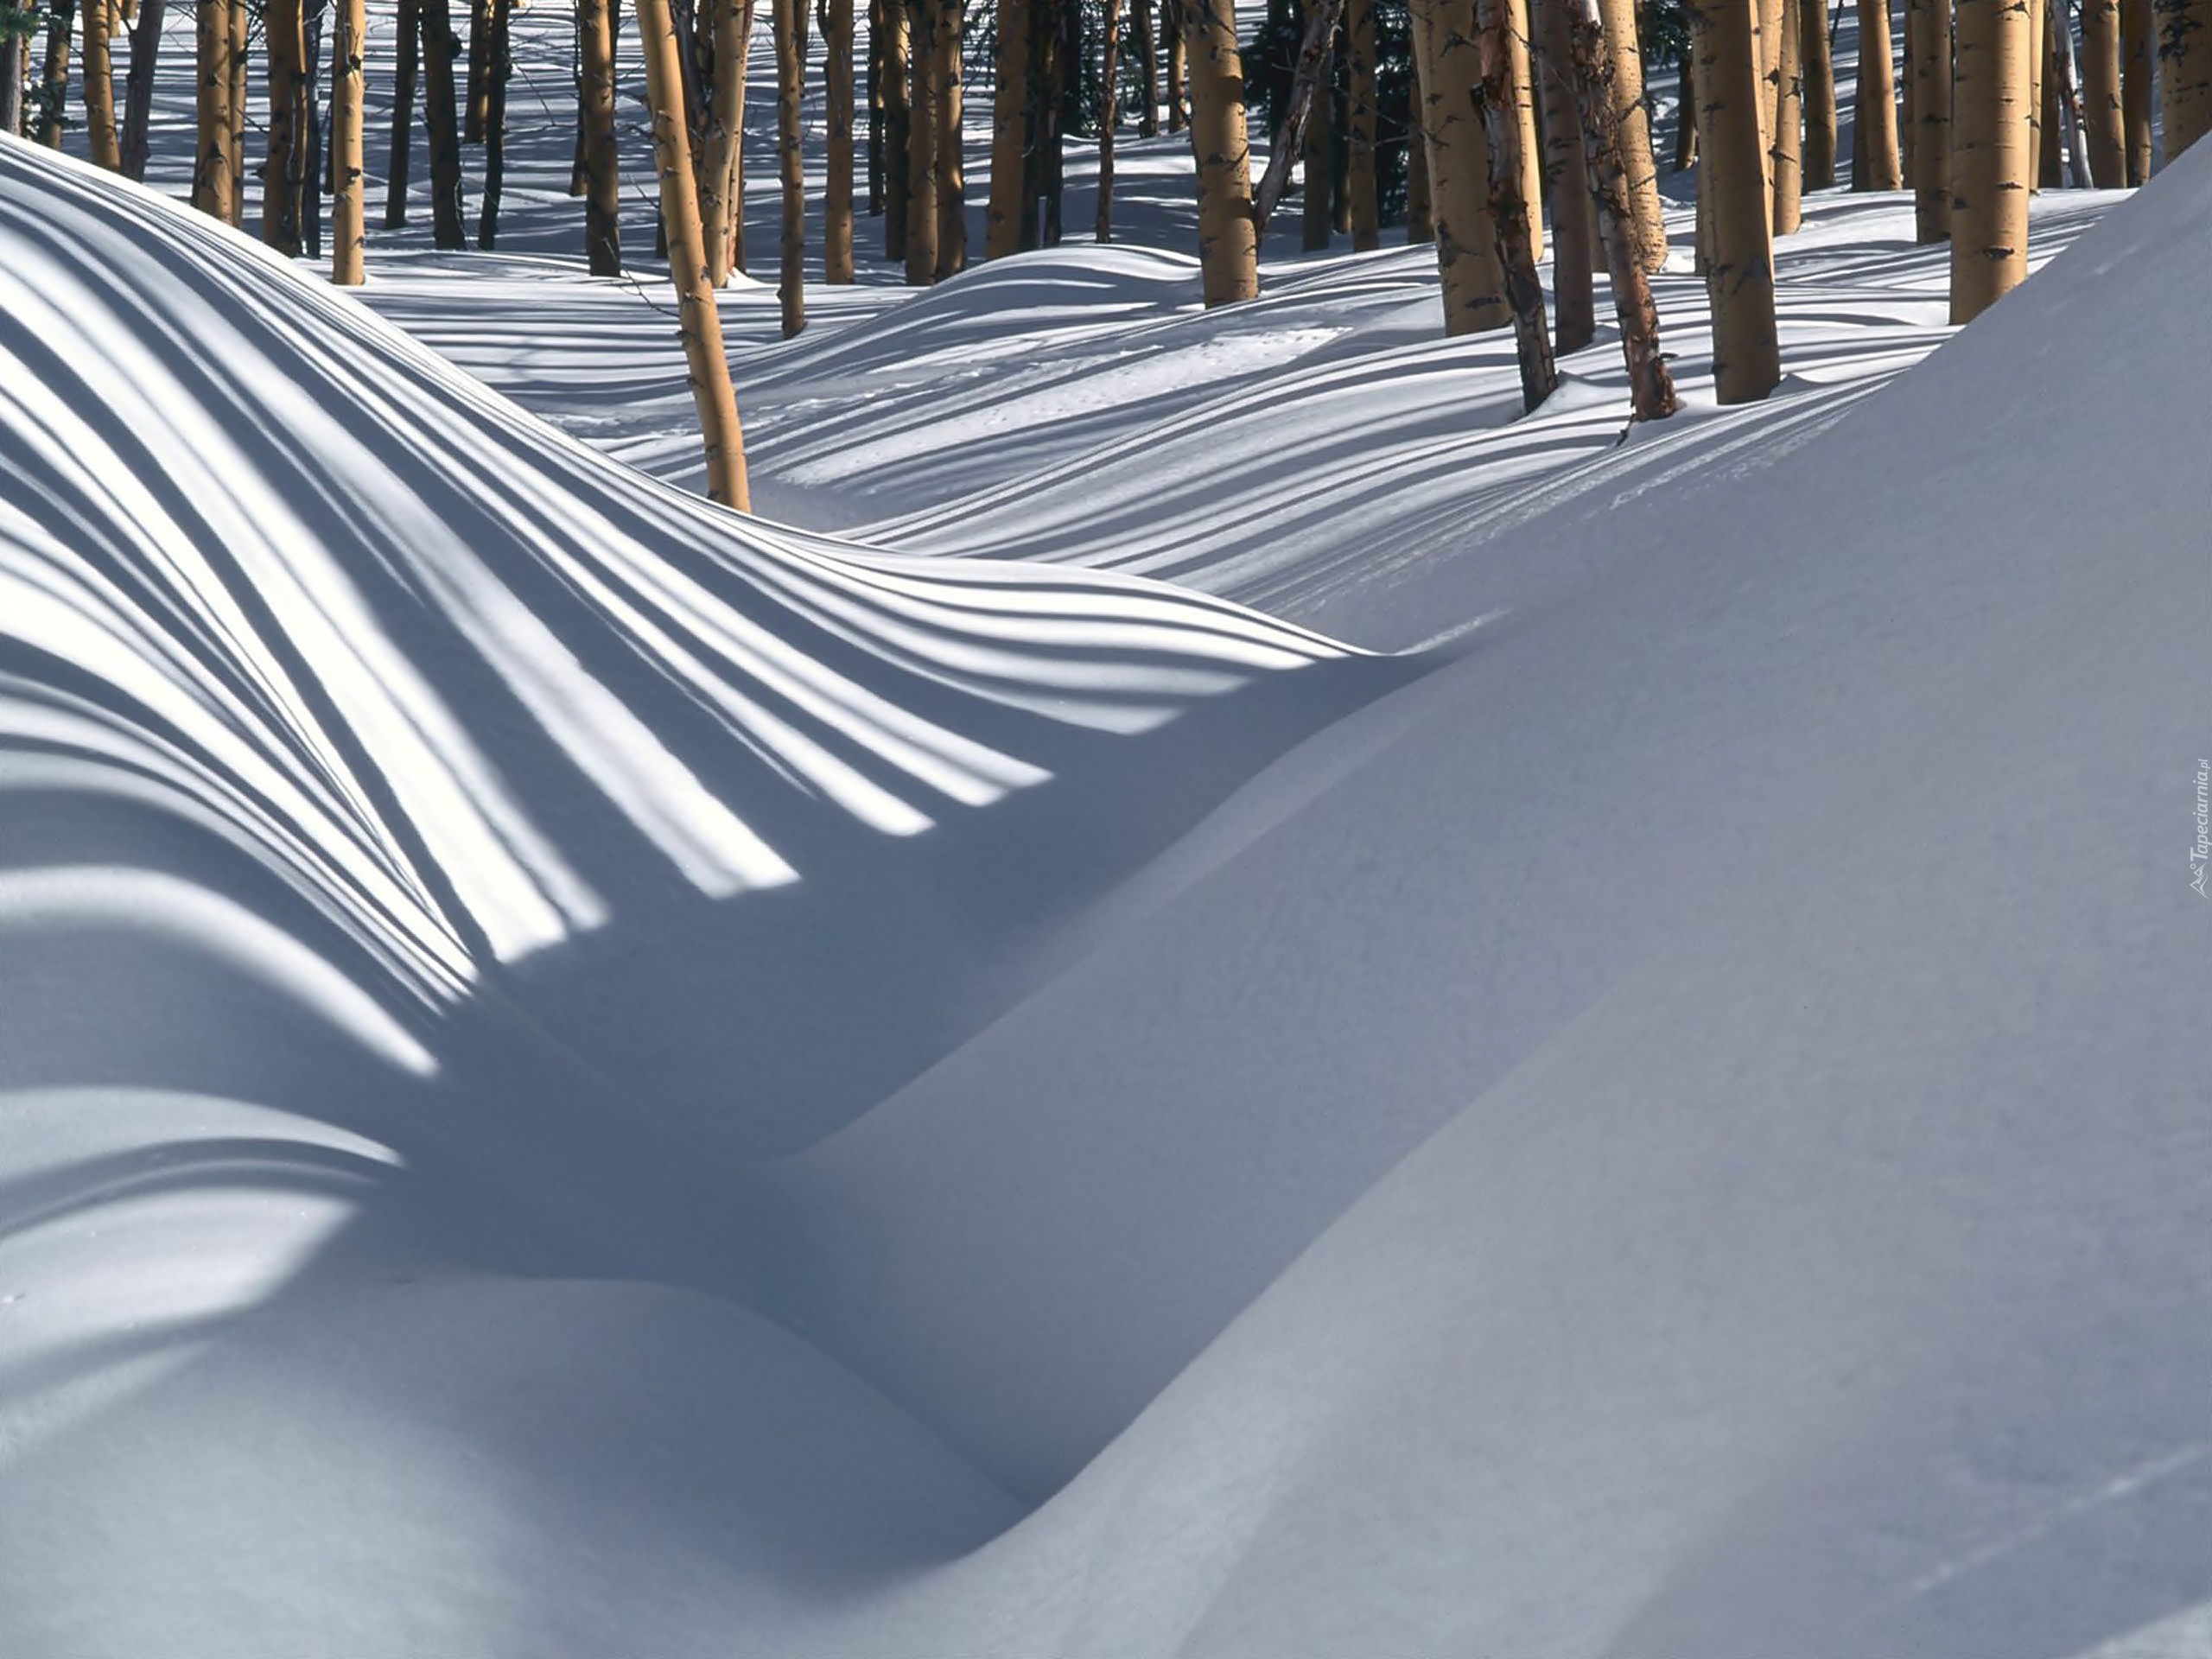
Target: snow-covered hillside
x: 583, y: 1076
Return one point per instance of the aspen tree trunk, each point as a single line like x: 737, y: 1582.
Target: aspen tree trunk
x: 211, y: 186
x: 241, y: 50
x: 2069, y: 94
x: 1739, y: 271
x: 1766, y: 26
x: 2048, y: 124
x: 1929, y: 23
x: 346, y: 213
x: 1877, y: 108
x: 53, y: 82
x: 1589, y: 45
x: 1418, y: 215
x: 1178, y: 68
x: 1625, y: 84
x: 603, y: 180
x: 2184, y: 71
x: 1686, y: 117
x: 1314, y: 38
x: 1788, y: 152
x: 14, y: 60
x: 1051, y: 66
x: 1228, y: 254
x: 1147, y: 71
x: 498, y: 66
x: 925, y: 108
x: 442, y: 119
x: 314, y: 178
x: 951, y: 162
x: 1907, y: 118
x: 700, y: 323
x: 408, y: 48
x: 1992, y: 154
x: 1362, y: 110
x: 1523, y: 85
x: 837, y: 180
x: 283, y: 172
x: 2104, y: 122
x: 2137, y: 73
x: 1509, y: 204
x: 719, y: 179
x: 790, y: 283
x: 1315, y: 204
x: 99, y: 86
x: 876, y: 30
x: 476, y: 93
x: 1458, y: 168
x: 138, y: 90
x: 896, y: 117
x: 1109, y: 117
x: 1010, y: 132
x: 1819, y: 68
x: 1567, y: 174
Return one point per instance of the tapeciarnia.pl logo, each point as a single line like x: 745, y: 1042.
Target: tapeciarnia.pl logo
x: 2200, y: 855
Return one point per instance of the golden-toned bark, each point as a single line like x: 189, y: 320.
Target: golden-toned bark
x: 1179, y: 77
x: 1818, y: 67
x: 53, y: 81
x: 896, y: 69
x: 1877, y: 108
x: 346, y: 218
x: 837, y: 181
x: 1361, y: 110
x: 1787, y: 151
x: 790, y: 281
x: 1766, y: 29
x: 1512, y: 211
x: 1992, y: 154
x: 1229, y: 249
x: 1927, y: 24
x: 2184, y: 28
x: 2043, y: 98
x: 240, y: 35
x: 1740, y: 255
x: 1010, y: 133
x: 1459, y: 166
x: 951, y: 167
x: 2138, y: 73
x: 1639, y: 171
x: 602, y: 164
x: 2102, y: 121
x: 721, y: 178
x: 700, y: 323
x: 284, y: 171
x: 924, y: 109
x: 100, y: 85
x: 1521, y: 76
x: 211, y: 179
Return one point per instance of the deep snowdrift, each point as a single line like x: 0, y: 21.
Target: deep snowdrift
x: 1681, y: 1132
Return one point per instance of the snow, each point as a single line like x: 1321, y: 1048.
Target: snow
x: 583, y: 1075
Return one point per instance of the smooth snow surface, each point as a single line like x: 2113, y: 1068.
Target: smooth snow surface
x: 580, y: 1075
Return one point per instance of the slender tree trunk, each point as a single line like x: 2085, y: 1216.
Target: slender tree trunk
x: 53, y: 83
x: 138, y: 90
x: 1907, y: 86
x: 1109, y: 117
x: 1819, y: 94
x: 476, y: 94
x: 1147, y: 71
x: 1877, y: 101
x: 719, y: 178
x: 1314, y: 222
x: 877, y: 30
x: 1363, y: 106
x: 1290, y: 134
x: 1625, y: 85
x: 498, y: 66
x: 1651, y: 388
x: 1508, y: 199
x: 951, y: 162
x: 2047, y: 154
x: 312, y: 176
x: 99, y: 86
x: 406, y: 69
x: 791, y: 282
x: 2138, y: 75
x: 1992, y: 155
x: 1686, y: 117
x: 1739, y: 270
x: 1521, y: 77
x: 449, y: 229
x: 1010, y: 132
x: 1566, y: 175
x: 603, y: 180
x: 2184, y: 71
x: 1228, y: 236
x: 925, y: 109
x: 1766, y: 27
x: 1420, y: 216
x: 1459, y: 167
x: 1929, y: 26
x: 1787, y: 153
x: 2104, y: 121
x: 1179, y: 77
x: 837, y: 181
x: 241, y: 50
x: 896, y: 118
x: 284, y: 170
x: 1058, y: 77
x: 700, y: 323
x: 2070, y: 117
x: 211, y: 186
x: 346, y: 213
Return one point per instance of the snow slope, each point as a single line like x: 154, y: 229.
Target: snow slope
x: 1682, y: 1130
